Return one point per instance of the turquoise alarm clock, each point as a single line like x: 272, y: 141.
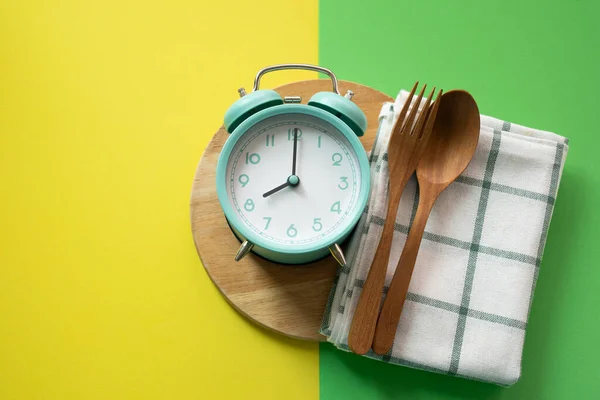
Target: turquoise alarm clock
x: 293, y: 179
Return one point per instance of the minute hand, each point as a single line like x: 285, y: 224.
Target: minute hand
x: 295, y: 151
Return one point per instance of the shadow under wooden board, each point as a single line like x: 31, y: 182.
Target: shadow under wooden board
x: 286, y: 299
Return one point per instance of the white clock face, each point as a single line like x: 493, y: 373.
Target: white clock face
x: 318, y: 201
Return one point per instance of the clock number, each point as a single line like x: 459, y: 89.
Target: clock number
x: 249, y: 205
x: 253, y: 158
x: 292, y: 231
x: 270, y: 140
x: 344, y: 181
x: 336, y: 207
x: 243, y: 179
x: 317, y: 225
x: 291, y: 133
x: 337, y: 159
x: 319, y: 142
x: 268, y: 222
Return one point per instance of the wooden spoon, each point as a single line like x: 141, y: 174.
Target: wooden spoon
x: 449, y: 151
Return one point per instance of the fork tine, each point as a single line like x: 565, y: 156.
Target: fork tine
x: 400, y: 120
x: 418, y: 129
x: 431, y: 116
x: 411, y: 117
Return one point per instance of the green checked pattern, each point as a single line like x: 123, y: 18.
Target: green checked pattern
x: 469, y: 299
x: 473, y: 252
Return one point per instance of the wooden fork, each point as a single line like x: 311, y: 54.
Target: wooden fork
x: 407, y: 143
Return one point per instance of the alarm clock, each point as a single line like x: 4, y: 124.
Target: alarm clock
x: 293, y: 179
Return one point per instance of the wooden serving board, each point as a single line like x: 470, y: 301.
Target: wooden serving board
x: 287, y: 299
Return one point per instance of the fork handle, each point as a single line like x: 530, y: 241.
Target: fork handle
x: 365, y: 316
x: 394, y: 301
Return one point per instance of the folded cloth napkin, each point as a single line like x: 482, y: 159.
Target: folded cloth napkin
x: 470, y: 294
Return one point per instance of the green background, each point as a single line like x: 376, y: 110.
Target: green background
x: 534, y: 63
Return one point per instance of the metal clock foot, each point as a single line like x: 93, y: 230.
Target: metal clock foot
x: 338, y: 254
x: 244, y: 249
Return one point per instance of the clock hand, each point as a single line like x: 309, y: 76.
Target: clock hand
x: 277, y: 189
x: 295, y: 151
x: 292, y: 180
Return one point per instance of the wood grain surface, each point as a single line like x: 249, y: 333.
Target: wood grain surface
x: 286, y: 299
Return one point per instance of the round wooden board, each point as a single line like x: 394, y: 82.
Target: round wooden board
x: 287, y: 299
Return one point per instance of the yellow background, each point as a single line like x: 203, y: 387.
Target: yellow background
x: 105, y: 109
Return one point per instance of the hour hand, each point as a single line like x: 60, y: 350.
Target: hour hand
x: 277, y: 189
x: 292, y: 180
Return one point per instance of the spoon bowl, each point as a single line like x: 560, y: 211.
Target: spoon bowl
x: 453, y: 140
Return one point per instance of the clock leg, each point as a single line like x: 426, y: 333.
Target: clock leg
x: 244, y: 249
x: 338, y: 254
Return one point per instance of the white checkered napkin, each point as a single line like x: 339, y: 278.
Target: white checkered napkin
x: 469, y: 297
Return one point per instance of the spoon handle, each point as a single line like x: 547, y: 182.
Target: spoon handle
x: 364, y: 320
x: 394, y: 300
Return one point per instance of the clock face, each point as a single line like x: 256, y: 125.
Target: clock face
x: 294, y: 209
